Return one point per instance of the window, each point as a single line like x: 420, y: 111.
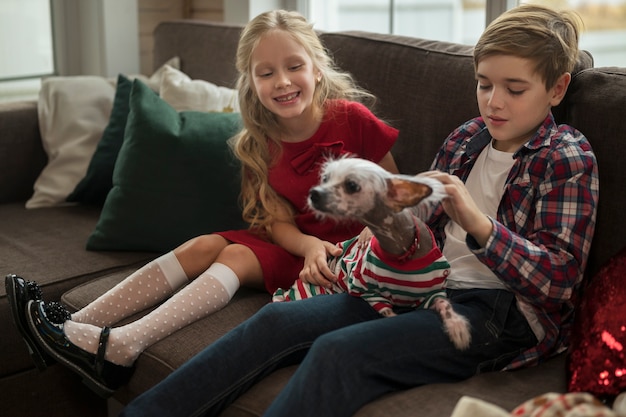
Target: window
x: 26, y: 46
x: 463, y: 21
x: 459, y: 21
x: 605, y: 28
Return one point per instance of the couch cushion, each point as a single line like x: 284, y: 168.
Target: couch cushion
x: 21, y: 153
x: 206, y: 49
x: 494, y: 387
x: 175, y: 178
x: 48, y: 245
x: 596, y: 95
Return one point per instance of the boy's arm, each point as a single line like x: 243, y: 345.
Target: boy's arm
x: 543, y: 258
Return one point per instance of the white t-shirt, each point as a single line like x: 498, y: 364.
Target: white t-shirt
x: 486, y: 186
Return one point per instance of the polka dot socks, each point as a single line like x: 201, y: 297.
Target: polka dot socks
x: 145, y: 288
x: 208, y: 293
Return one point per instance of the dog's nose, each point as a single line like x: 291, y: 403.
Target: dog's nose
x: 315, y: 196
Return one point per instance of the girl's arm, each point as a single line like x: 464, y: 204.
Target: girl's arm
x: 314, y: 250
x: 389, y: 163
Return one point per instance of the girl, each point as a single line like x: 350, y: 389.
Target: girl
x: 297, y: 109
x: 516, y: 228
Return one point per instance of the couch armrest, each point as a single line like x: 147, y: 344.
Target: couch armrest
x: 22, y: 156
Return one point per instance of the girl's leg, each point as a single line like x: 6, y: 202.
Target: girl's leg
x: 348, y: 368
x: 211, y: 291
x: 280, y: 334
x: 153, y: 282
x: 144, y: 288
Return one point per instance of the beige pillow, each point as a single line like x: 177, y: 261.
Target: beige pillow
x: 183, y: 93
x: 73, y: 113
x: 154, y: 81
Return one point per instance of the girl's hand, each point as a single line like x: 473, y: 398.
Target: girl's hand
x: 316, y: 270
x: 462, y: 208
x: 364, y: 237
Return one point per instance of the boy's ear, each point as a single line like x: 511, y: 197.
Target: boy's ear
x: 560, y: 88
x: 402, y: 193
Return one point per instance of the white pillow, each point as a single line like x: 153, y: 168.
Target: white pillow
x: 183, y: 93
x: 154, y: 81
x: 73, y: 113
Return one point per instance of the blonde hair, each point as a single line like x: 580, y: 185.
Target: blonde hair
x: 261, y: 204
x: 547, y: 37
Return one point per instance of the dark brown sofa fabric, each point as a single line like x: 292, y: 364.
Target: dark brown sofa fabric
x: 596, y: 105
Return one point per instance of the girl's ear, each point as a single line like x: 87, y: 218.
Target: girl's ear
x: 560, y: 88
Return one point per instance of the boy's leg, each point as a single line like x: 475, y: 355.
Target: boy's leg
x: 280, y: 334
x: 348, y: 368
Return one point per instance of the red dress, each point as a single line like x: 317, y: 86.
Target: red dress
x: 347, y: 128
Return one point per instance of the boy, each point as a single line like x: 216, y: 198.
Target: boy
x: 516, y: 228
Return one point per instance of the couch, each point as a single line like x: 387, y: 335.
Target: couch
x: 424, y: 87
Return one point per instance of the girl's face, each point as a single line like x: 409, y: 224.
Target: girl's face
x: 513, y: 100
x: 283, y: 77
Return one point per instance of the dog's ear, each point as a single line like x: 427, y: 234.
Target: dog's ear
x: 402, y: 193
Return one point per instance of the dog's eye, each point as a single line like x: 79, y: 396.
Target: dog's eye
x: 352, y: 187
x: 324, y: 178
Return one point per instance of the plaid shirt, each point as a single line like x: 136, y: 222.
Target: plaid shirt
x: 545, y: 222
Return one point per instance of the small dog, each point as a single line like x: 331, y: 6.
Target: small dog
x: 401, y: 265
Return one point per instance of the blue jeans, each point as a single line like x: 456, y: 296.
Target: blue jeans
x: 348, y: 355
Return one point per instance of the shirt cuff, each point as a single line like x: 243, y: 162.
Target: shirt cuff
x: 473, y: 245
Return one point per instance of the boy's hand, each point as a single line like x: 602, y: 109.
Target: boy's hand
x: 462, y: 208
x: 316, y: 270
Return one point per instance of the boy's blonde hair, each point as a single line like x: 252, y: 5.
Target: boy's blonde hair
x: 547, y: 37
x: 261, y: 204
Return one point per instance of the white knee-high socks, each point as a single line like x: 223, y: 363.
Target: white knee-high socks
x: 208, y: 293
x: 144, y: 288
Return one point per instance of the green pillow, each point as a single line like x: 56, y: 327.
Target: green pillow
x: 95, y: 186
x: 175, y: 178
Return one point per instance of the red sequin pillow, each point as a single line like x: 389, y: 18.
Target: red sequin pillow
x: 597, y: 361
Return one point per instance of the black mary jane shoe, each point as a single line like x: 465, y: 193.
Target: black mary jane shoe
x: 19, y: 293
x: 102, y: 376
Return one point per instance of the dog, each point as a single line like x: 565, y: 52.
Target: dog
x: 401, y: 265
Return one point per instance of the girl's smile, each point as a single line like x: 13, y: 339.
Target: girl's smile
x: 287, y: 98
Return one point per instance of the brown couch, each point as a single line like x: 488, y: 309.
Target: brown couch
x: 425, y: 88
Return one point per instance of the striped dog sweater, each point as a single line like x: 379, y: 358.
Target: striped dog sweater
x: 379, y: 278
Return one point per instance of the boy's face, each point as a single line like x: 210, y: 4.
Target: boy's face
x: 513, y: 100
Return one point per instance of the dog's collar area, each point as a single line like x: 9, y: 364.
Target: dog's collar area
x: 408, y: 255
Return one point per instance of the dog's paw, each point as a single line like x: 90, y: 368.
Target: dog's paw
x: 456, y: 326
x: 458, y: 329
x: 387, y: 312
